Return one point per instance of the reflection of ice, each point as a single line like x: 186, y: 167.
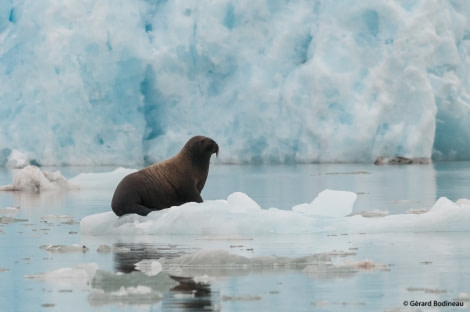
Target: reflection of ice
x: 240, y: 215
x: 110, y: 288
x: 81, y: 275
x: 210, y: 265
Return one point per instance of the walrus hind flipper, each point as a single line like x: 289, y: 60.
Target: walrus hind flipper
x: 135, y: 208
x: 141, y: 210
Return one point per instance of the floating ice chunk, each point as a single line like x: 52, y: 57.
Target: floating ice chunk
x: 65, y: 248
x: 8, y: 220
x: 10, y: 210
x: 149, y: 267
x: 417, y: 210
x: 203, y: 279
x: 61, y: 218
x: 365, y: 265
x: 239, y: 216
x: 445, y: 215
x: 329, y: 203
x: 242, y: 202
x: 463, y: 202
x: 236, y: 216
x: 32, y: 179
x: 80, y: 275
x: 371, y: 213
x: 17, y: 159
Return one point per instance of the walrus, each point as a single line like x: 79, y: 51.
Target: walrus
x: 172, y: 182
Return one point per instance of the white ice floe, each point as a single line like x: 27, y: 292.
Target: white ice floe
x: 32, y: 179
x: 329, y: 203
x: 239, y: 215
x: 65, y: 248
x: 149, y: 267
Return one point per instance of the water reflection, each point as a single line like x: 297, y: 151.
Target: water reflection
x: 187, y: 295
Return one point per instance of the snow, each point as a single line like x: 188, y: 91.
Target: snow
x: 270, y: 81
x: 239, y: 215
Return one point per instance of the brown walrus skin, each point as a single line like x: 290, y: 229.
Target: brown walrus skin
x: 172, y: 182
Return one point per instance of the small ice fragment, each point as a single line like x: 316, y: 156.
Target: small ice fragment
x: 32, y: 179
x: 365, y: 265
x: 63, y: 218
x: 149, y: 267
x: 323, y: 303
x: 417, y: 210
x: 8, y: 220
x: 64, y: 248
x: 464, y: 297
x: 203, y: 279
x: 329, y: 203
x: 371, y: 213
x: 463, y: 202
x: 10, y: 210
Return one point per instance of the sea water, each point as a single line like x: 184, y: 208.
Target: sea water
x: 47, y: 264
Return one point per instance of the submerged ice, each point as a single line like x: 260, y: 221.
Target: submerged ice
x: 271, y: 81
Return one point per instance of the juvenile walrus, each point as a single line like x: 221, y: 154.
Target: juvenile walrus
x: 172, y: 182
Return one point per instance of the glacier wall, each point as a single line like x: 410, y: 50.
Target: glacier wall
x: 88, y: 82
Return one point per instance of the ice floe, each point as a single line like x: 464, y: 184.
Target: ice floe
x: 32, y: 179
x: 239, y: 215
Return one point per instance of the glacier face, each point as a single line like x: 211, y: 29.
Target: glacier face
x: 128, y: 82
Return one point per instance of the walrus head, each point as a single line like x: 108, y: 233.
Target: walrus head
x: 201, y: 148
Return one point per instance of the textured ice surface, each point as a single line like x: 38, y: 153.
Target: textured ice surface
x: 34, y: 180
x: 240, y: 215
x: 270, y: 81
x: 338, y: 204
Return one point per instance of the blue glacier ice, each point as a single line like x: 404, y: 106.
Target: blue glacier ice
x: 272, y: 81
